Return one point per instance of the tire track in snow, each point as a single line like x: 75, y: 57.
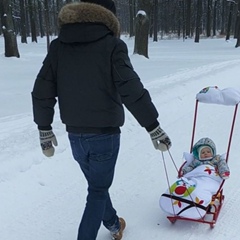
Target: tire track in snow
x: 231, y: 212
x: 54, y: 208
x: 16, y: 130
x: 190, y: 74
x: 17, y: 140
x: 19, y: 144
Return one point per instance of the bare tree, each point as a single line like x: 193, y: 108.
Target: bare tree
x: 223, y: 17
x: 238, y: 26
x: 209, y: 17
x: 181, y: 26
x: 0, y: 22
x: 10, y: 40
x: 142, y: 27
x: 46, y: 9
x: 198, y: 21
x: 141, y: 37
x: 40, y: 17
x: 132, y: 17
x: 214, y: 17
x: 23, y: 21
x: 155, y: 22
x: 230, y: 15
x: 32, y: 16
x: 188, y: 18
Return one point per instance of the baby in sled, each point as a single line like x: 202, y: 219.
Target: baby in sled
x: 199, y: 179
x: 204, y: 153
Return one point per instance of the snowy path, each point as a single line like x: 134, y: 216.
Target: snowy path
x: 43, y: 199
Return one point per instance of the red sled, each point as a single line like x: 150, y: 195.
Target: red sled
x: 183, y: 200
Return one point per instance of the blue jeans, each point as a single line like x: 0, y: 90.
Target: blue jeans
x: 96, y: 155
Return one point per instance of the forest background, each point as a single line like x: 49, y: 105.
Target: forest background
x: 157, y: 19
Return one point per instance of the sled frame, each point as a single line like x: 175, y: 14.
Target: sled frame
x: 231, y: 131
x: 214, y: 208
x: 212, y: 214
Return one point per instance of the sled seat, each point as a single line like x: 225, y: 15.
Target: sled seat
x: 211, y: 211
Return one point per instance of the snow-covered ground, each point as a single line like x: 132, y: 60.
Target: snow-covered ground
x: 43, y: 198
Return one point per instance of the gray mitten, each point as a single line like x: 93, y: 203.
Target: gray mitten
x: 47, y: 140
x: 160, y: 139
x: 225, y: 175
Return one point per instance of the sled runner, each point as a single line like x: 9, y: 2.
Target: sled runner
x: 200, y: 198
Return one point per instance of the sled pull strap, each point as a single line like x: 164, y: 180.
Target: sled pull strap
x: 231, y: 132
x: 194, y: 125
x: 166, y: 172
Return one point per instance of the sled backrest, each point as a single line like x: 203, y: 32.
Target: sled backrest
x: 214, y: 95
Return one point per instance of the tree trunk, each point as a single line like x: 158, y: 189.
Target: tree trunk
x: 32, y: 21
x: 198, y: 21
x: 141, y: 38
x: 209, y: 17
x: 10, y: 40
x: 238, y: 26
x: 131, y: 16
x: 155, y: 21
x: 23, y: 22
x: 223, y: 28
x: 188, y: 19
x: 214, y: 17
x: 40, y: 17
x: 46, y: 8
x: 0, y: 21
x: 229, y: 21
x: 181, y: 19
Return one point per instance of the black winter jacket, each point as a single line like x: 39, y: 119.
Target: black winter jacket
x: 88, y: 70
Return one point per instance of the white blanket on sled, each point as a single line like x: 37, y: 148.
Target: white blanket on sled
x: 190, y: 195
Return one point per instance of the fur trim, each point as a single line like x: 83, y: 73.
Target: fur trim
x: 200, y: 150
x: 88, y: 13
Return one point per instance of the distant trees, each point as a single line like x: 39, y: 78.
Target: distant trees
x: 188, y: 18
x: 167, y: 18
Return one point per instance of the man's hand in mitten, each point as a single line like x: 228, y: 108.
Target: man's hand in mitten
x: 47, y: 140
x: 160, y: 139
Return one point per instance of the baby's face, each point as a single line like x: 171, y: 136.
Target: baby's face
x: 206, y: 153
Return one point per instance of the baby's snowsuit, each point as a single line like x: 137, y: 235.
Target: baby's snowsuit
x: 217, y: 161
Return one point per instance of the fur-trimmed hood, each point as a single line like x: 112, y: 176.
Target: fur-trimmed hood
x: 203, y: 142
x: 88, y: 13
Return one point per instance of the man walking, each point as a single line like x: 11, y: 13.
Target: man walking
x: 87, y: 69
